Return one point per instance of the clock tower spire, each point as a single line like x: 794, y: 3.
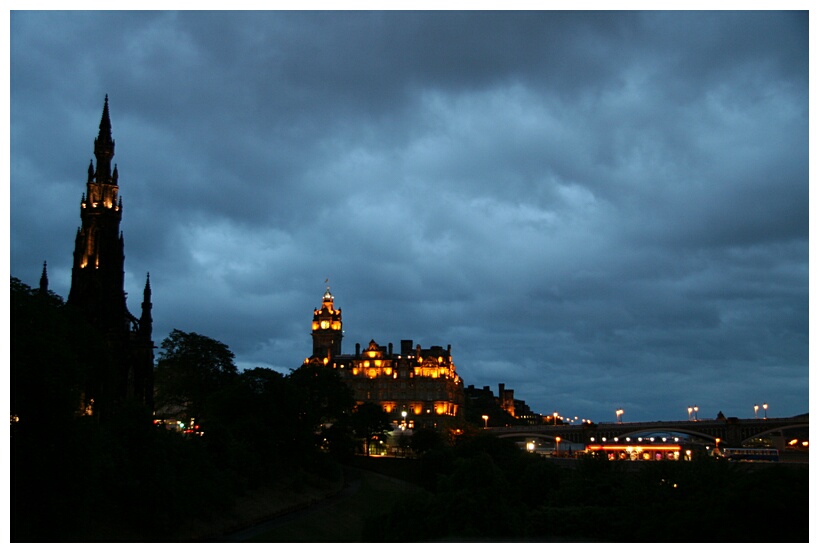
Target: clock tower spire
x: 327, y: 333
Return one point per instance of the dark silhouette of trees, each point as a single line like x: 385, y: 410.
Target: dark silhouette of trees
x: 426, y: 439
x: 55, y: 356
x: 370, y: 422
x: 189, y: 369
x: 492, y: 490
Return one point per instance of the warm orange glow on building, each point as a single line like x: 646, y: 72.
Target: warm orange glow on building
x: 421, y: 382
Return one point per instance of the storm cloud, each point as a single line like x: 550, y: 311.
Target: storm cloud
x: 601, y: 210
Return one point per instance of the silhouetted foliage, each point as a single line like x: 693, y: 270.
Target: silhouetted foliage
x: 426, y: 439
x: 54, y: 355
x: 369, y: 421
x: 491, y: 492
x: 317, y: 396
x: 190, y: 368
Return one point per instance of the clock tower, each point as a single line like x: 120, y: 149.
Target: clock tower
x: 327, y: 333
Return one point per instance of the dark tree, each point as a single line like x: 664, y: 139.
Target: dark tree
x: 426, y: 439
x: 191, y: 367
x: 370, y: 421
x: 55, y: 358
x: 318, y: 397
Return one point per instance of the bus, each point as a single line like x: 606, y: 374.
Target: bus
x: 750, y: 454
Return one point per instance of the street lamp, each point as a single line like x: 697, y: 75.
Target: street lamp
x: 557, y: 444
x: 689, y: 412
x: 554, y: 417
x: 619, y: 414
x: 404, y: 414
x: 485, y: 420
x: 696, y: 410
x: 765, y: 408
x: 756, y: 410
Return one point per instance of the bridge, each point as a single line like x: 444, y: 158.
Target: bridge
x: 732, y: 432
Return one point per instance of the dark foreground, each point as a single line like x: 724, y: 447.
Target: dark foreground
x: 478, y: 501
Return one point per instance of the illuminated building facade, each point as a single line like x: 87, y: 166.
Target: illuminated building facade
x: 420, y: 382
x: 98, y: 286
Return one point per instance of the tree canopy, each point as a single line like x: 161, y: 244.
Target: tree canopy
x: 189, y: 369
x: 370, y: 421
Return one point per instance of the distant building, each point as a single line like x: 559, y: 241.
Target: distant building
x: 98, y: 287
x: 500, y: 410
x: 421, y: 382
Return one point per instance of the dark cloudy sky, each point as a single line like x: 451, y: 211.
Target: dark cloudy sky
x: 600, y: 210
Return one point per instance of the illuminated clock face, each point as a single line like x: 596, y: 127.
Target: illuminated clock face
x: 325, y: 324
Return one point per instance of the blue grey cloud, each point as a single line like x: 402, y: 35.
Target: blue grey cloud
x: 601, y: 210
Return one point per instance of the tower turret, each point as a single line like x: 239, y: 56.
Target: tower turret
x: 327, y: 332
x: 104, y: 146
x: 145, y: 321
x: 44, y: 280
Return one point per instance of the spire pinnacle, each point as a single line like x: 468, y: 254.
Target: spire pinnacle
x: 104, y: 146
x: 44, y: 280
x: 105, y: 122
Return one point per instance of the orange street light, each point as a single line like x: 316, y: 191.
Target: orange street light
x: 485, y: 420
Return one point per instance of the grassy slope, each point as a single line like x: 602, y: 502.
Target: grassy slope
x: 341, y: 521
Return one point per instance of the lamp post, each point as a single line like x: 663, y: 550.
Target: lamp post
x: 765, y: 408
x: 689, y: 412
x: 696, y: 410
x: 756, y: 410
x: 557, y: 445
x: 485, y: 420
x: 554, y: 417
x: 619, y: 414
x: 404, y: 414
